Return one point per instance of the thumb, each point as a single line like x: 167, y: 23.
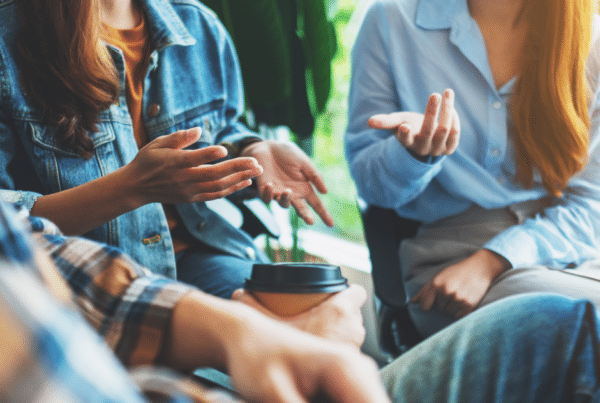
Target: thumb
x: 178, y: 140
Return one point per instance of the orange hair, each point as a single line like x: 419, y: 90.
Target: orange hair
x: 550, y: 101
x: 65, y: 69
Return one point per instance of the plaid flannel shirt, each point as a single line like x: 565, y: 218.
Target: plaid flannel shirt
x: 49, y: 353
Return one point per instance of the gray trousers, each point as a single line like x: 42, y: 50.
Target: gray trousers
x: 450, y: 240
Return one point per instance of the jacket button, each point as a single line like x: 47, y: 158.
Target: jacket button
x: 250, y: 254
x: 200, y: 226
x: 153, y: 110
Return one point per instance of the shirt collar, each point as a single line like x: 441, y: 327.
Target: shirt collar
x: 165, y: 26
x: 441, y: 14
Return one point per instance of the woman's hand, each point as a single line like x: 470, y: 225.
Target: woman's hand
x: 290, y: 178
x: 164, y: 172
x: 458, y: 289
x: 431, y: 134
x: 338, y: 318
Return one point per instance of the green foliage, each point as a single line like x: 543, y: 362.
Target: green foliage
x: 328, y: 139
x: 285, y: 50
x: 262, y: 45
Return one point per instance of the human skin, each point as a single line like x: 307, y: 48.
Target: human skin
x: 268, y: 361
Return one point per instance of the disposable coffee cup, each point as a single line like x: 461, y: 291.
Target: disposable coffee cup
x: 288, y: 289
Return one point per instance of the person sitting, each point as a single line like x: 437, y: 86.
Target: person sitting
x: 120, y: 119
x: 537, y: 347
x: 502, y: 168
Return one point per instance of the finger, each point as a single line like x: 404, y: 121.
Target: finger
x: 423, y: 139
x: 438, y: 143
x: 203, y: 194
x: 453, y: 135
x: 267, y: 192
x: 317, y: 205
x: 302, y: 210
x: 347, y: 384
x: 178, y: 140
x: 206, y: 155
x: 354, y: 295
x: 282, y: 386
x: 284, y: 198
x: 245, y: 167
x: 405, y: 135
x: 427, y: 297
x: 314, y: 177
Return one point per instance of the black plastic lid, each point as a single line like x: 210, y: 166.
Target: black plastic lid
x: 296, y: 278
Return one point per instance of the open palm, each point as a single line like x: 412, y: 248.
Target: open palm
x: 290, y: 178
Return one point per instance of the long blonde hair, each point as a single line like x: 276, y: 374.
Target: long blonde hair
x: 550, y: 101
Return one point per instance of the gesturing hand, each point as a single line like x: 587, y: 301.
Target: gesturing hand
x: 458, y: 289
x: 288, y: 178
x: 431, y: 134
x: 164, y: 172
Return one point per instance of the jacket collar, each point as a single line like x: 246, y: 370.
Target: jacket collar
x: 166, y: 28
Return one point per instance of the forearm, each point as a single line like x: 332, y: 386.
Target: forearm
x: 81, y: 209
x: 200, y: 324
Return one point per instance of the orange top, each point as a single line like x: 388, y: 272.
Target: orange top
x: 136, y: 50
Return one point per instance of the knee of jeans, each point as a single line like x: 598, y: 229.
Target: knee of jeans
x: 564, y: 312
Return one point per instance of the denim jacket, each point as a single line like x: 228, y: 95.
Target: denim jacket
x: 193, y: 79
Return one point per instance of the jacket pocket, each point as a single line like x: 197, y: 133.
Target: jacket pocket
x: 44, y: 137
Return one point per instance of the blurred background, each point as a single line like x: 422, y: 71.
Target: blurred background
x: 295, y: 62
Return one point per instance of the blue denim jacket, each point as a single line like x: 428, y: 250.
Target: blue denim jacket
x: 193, y: 79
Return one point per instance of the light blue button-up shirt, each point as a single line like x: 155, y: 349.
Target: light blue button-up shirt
x: 405, y: 51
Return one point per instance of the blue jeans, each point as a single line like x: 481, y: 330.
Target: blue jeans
x: 213, y: 271
x: 527, y: 348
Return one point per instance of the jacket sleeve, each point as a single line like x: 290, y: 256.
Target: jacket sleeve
x: 384, y: 172
x: 8, y: 152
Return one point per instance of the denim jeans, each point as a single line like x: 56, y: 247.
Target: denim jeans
x: 213, y: 271
x: 527, y: 348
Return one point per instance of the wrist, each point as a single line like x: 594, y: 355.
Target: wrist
x: 496, y: 263
x: 127, y: 189
x: 239, y: 148
x: 195, y: 341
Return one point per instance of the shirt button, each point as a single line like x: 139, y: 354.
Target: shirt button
x: 495, y: 152
x: 200, y: 226
x: 153, y: 110
x: 206, y: 125
x: 250, y: 254
x: 501, y: 180
x: 497, y: 104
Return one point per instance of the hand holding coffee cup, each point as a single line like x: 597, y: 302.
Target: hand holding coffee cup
x: 288, y: 289
x: 334, y: 313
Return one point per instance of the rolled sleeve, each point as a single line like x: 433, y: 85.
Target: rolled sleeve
x: 127, y: 304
